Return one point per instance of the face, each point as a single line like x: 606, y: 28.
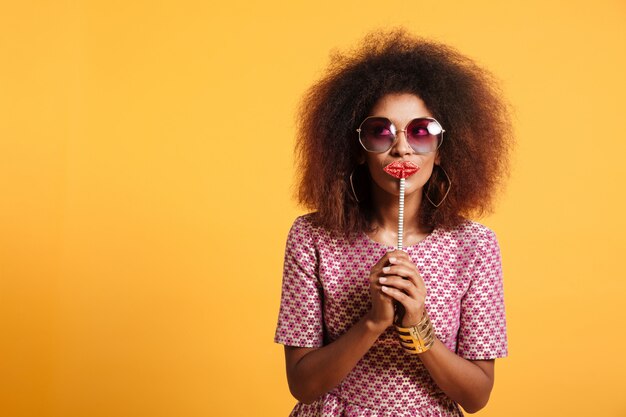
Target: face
x: 400, y: 109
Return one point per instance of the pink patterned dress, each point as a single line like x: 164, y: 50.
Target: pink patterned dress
x: 326, y: 290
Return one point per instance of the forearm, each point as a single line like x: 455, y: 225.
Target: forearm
x: 320, y: 370
x: 462, y: 380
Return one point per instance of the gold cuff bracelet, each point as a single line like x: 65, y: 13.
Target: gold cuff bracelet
x: 419, y: 338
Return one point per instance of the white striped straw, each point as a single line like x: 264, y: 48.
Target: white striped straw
x: 401, y: 214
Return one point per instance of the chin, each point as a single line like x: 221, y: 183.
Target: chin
x: 392, y: 187
x: 412, y: 186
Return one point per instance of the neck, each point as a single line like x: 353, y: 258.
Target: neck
x: 386, y: 211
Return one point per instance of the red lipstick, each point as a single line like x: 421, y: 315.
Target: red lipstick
x: 401, y: 169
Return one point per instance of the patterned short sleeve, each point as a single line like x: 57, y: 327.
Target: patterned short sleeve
x: 300, y: 317
x: 482, y: 332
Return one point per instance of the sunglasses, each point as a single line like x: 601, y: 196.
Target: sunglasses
x: 379, y: 134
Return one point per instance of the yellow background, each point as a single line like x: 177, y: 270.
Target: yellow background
x: 146, y: 181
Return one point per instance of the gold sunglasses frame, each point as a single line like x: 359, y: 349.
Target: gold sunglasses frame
x: 395, y: 140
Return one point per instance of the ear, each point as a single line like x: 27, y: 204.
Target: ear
x: 438, y: 159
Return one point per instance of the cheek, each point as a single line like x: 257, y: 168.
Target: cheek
x: 379, y: 176
x: 381, y: 179
x: 375, y: 168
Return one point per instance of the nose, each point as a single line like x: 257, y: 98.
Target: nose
x: 401, y: 146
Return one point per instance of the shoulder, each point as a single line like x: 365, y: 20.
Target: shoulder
x: 305, y: 229
x: 474, y: 230
x: 304, y: 222
x: 305, y: 226
x: 470, y: 236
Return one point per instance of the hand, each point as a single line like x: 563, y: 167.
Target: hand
x: 400, y: 280
x: 382, y: 313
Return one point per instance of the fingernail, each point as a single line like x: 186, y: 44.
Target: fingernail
x: 382, y: 279
x: 384, y: 289
x: 392, y: 260
x: 386, y: 269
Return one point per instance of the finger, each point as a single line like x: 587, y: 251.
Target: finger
x: 399, y: 254
x: 416, y: 278
x: 393, y: 260
x: 405, y: 262
x: 398, y: 295
x: 413, y: 278
x: 401, y: 284
x: 382, y: 262
x: 400, y: 270
x: 407, y: 273
x: 410, y: 306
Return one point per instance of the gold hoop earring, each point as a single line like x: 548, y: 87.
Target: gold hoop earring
x: 352, y: 187
x: 447, y: 191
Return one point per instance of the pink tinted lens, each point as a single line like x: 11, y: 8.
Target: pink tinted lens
x: 424, y: 135
x: 377, y: 134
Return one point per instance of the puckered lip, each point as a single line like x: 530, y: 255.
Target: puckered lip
x: 401, y: 169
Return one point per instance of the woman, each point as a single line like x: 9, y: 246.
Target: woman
x: 348, y: 296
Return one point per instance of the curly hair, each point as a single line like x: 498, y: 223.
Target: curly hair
x: 463, y: 97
